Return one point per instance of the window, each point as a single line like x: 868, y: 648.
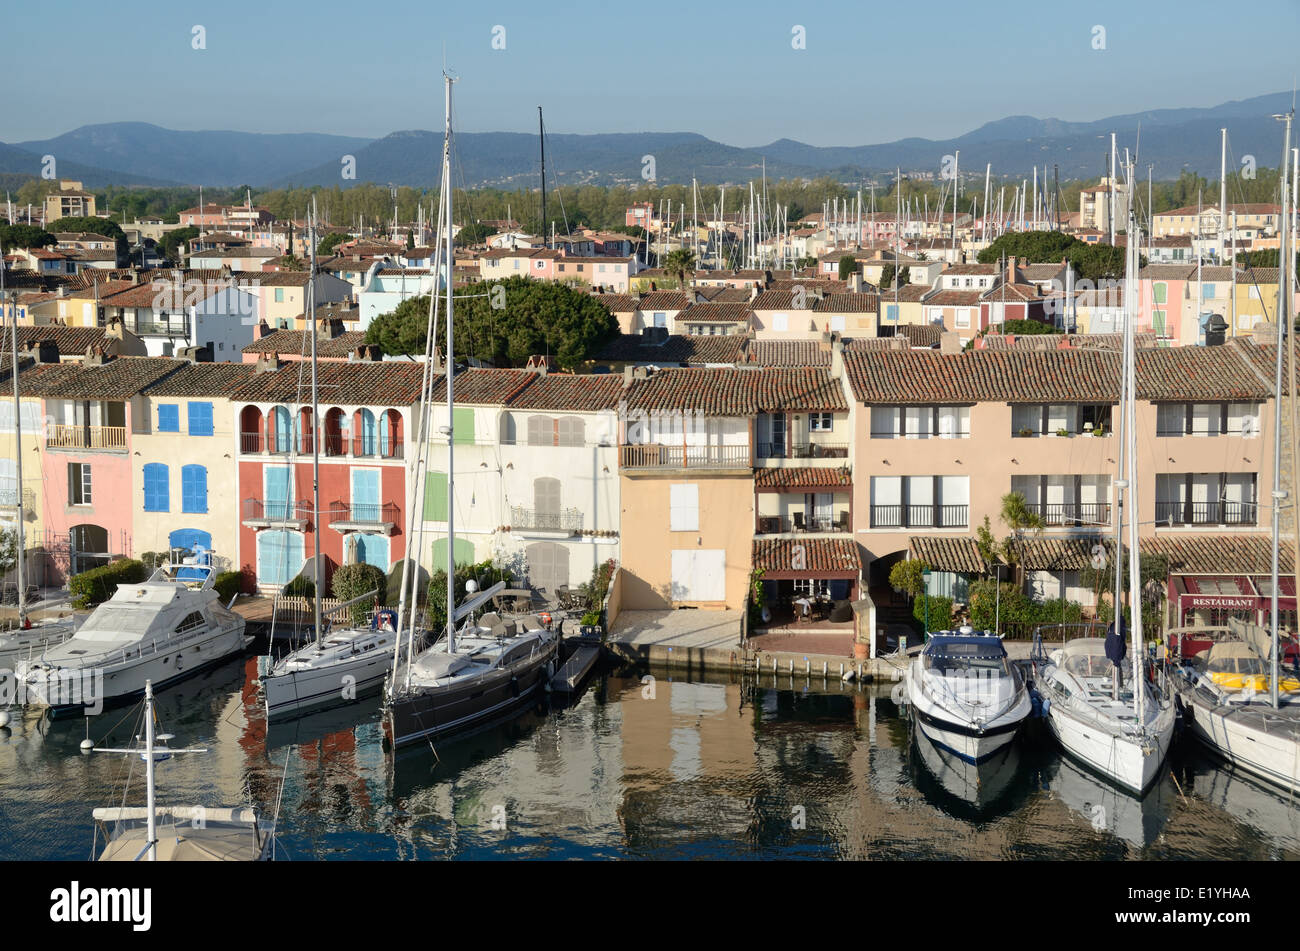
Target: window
x: 155, y: 488
x: 572, y: 431
x: 781, y: 323
x: 279, y: 295
x: 837, y: 322
x: 31, y: 416
x: 1208, y: 290
x: 194, y: 489
x: 820, y: 422
x: 78, y: 483
x: 169, y: 418
x: 963, y: 317
x: 546, y: 498
x: 435, y: 498
x: 279, y: 556
x: 660, y: 319
x: 463, y: 426
x: 191, y: 622
x: 891, y: 312
x: 1159, y: 291
x: 684, y: 508
x: 200, y: 419
x: 541, y: 431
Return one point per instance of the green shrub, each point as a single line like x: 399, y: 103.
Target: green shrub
x: 591, y: 618
x: 300, y: 587
x: 1016, y: 612
x: 352, y: 581
x: 485, y: 574
x: 97, y: 585
x: 595, y: 590
x: 940, y: 613
x: 228, y: 584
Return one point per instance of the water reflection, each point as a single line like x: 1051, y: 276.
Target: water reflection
x: 734, y: 767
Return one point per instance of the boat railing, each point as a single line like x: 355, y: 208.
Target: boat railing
x: 168, y: 572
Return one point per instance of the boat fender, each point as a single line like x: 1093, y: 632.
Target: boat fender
x: 1047, y: 705
x: 179, y: 662
x: 514, y: 686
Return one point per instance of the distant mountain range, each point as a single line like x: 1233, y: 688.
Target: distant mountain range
x: 137, y: 153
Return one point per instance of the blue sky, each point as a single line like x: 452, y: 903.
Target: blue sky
x: 869, y: 73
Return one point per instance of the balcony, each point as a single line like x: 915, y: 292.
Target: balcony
x: 9, y: 498
x: 526, y: 519
x: 333, y: 446
x: 64, y: 436
x: 799, y: 523
x: 276, y: 513
x: 162, y: 328
x: 1206, y: 513
x: 364, y: 517
x: 919, y: 516
x: 1071, y: 514
x: 808, y: 450
x: 684, y: 457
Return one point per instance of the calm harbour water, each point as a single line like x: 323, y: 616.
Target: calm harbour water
x: 732, y: 769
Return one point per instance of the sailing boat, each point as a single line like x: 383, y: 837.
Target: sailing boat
x: 26, y: 641
x: 338, y: 666
x: 486, y: 669
x: 196, y: 834
x: 1233, y: 695
x: 1121, y: 733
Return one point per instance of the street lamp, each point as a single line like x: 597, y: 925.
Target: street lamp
x: 925, y: 580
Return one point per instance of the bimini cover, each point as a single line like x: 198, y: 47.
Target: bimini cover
x: 974, y: 646
x: 1086, y: 657
x: 1227, y: 657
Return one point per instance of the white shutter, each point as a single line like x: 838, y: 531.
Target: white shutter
x: 781, y: 323
x: 684, y: 508
x: 886, y: 490
x: 919, y: 419
x: 1170, y: 418
x: 699, y: 575
x: 884, y: 422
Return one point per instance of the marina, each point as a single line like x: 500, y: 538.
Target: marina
x: 664, y: 767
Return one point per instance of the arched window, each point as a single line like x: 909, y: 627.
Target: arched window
x: 281, y: 429
x: 306, y: 430
x: 194, y: 489
x: 155, y: 488
x: 250, y: 429
x: 366, y: 438
x: 390, y: 434
x: 336, y: 433
x: 279, y: 556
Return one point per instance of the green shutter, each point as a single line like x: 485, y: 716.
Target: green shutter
x: 463, y: 426
x: 1159, y: 290
x: 463, y: 550
x: 435, y: 497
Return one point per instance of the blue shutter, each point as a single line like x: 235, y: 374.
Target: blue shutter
x: 169, y: 418
x: 282, y: 439
x: 194, y: 489
x: 277, y: 492
x: 367, y: 433
x: 365, y: 494
x: 372, y: 550
x: 279, y: 556
x: 200, y: 419
x: 155, y: 488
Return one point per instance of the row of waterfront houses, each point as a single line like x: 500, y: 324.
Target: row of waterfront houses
x: 822, y: 476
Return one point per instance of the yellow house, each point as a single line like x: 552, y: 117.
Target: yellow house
x: 32, y: 495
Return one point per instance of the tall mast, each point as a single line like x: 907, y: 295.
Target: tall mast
x: 955, y: 158
x: 1130, y: 438
x: 541, y: 137
x: 151, y: 826
x: 318, y: 578
x: 18, y: 452
x: 1284, y: 340
x: 1223, y: 193
x: 451, y: 373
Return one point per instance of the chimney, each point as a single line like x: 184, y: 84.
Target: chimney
x: 753, y: 292
x: 837, y: 357
x: 627, y: 376
x: 855, y: 282
x: 96, y: 357
x: 267, y: 363
x: 949, y: 342
x: 47, y: 351
x: 329, y: 328
x: 194, y: 354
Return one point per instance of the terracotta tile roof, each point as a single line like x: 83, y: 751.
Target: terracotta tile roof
x: 730, y: 392
x: 663, y: 300
x: 483, y: 387
x: 724, y: 295
x: 907, y: 294
x: 1040, y: 272
x: 677, y: 348
x: 848, y: 303
x: 783, y: 300
x: 920, y: 335
x: 794, y: 478
x: 1064, y: 554
x: 837, y: 555
x: 1167, y: 272
x: 118, y: 379
x: 1220, y: 554
x: 952, y: 298
x: 957, y: 553
x: 972, y: 269
x: 69, y: 340
x: 787, y: 353
x: 1030, y: 376
x: 863, y: 344
x: 388, y: 383
x: 1013, y: 293
x: 716, y: 313
x: 296, y: 342
x: 617, y: 303
x: 201, y: 379
x: 572, y: 392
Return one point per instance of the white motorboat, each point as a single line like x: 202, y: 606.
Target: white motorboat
x: 28, y: 643
x: 1117, y: 734
x: 158, y: 631
x: 965, y: 696
x: 187, y: 833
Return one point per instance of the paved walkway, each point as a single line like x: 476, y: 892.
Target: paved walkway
x: 680, y: 630
x: 810, y: 641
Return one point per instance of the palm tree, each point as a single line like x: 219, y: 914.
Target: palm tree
x: 1019, y: 517
x: 680, y: 262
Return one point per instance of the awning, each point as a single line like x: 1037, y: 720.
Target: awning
x: 820, y: 558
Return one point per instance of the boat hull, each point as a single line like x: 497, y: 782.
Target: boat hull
x: 964, y: 742
x: 1122, y: 760
x: 300, y: 691
x: 122, y: 682
x: 426, y: 712
x: 1244, y: 740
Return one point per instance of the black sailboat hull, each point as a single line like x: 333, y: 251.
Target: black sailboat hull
x: 431, y: 711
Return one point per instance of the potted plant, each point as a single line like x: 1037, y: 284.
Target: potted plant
x: 1025, y: 431
x: 1062, y: 432
x: 1100, y: 430
x: 590, y: 625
